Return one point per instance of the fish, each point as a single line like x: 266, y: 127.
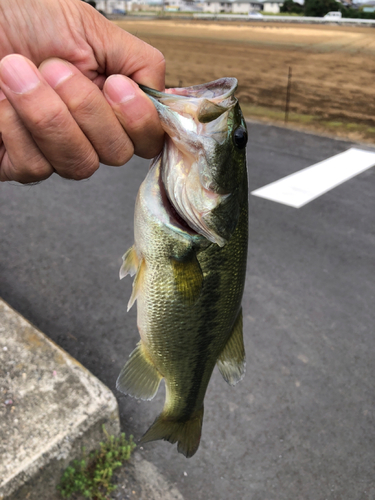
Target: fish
x: 189, y: 258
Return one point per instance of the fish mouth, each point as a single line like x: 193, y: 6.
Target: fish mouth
x: 211, y: 99
x: 221, y: 88
x: 195, y: 120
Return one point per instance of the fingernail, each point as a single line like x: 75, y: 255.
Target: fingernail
x: 2, y: 95
x: 55, y: 71
x: 118, y: 89
x: 18, y: 74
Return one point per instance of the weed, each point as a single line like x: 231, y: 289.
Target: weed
x: 91, y: 476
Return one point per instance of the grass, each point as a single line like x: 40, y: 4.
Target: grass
x: 340, y: 128
x: 92, y: 475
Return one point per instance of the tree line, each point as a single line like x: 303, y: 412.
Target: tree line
x: 319, y: 8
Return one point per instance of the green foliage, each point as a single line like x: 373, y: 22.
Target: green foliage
x: 91, y: 476
x: 356, y: 13
x: 291, y: 7
x: 319, y: 8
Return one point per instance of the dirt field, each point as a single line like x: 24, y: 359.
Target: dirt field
x: 333, y: 67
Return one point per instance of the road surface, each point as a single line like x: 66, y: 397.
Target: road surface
x: 301, y: 424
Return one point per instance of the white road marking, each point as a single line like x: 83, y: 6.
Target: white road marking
x: 304, y: 186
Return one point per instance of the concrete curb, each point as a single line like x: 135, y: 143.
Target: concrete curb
x: 50, y: 407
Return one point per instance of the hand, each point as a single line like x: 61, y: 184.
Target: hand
x: 60, y: 108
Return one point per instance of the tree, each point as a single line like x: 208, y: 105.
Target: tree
x: 291, y: 7
x: 319, y: 8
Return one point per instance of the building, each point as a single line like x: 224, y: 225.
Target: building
x: 241, y: 6
x: 182, y: 6
x: 216, y: 7
x: 272, y: 6
x: 124, y: 6
x: 245, y: 6
x: 368, y: 7
x: 210, y: 6
x: 112, y: 6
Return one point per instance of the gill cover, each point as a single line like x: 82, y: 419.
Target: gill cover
x: 204, y: 160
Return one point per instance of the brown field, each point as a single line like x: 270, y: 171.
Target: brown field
x: 333, y: 68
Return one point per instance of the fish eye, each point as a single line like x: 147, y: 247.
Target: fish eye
x: 240, y: 137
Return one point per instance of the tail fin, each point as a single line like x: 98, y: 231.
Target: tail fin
x: 187, y: 433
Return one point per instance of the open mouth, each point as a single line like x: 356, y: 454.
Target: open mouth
x: 195, y: 120
x: 216, y: 90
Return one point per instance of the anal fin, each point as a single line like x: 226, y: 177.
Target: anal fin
x: 139, y: 377
x: 231, y: 361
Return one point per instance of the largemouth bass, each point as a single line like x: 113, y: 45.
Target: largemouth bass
x: 189, y: 258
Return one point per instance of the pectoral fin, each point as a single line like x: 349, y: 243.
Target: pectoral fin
x: 188, y: 278
x: 130, y: 263
x: 137, y: 283
x: 231, y: 361
x: 139, y: 377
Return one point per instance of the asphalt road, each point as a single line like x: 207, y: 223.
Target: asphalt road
x: 301, y: 424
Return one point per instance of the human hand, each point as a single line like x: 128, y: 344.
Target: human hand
x: 65, y: 116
